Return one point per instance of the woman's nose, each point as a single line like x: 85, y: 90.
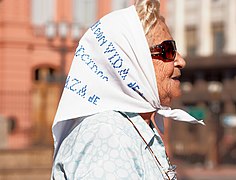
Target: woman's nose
x: 179, y: 61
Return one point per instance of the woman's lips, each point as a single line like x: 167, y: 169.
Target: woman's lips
x: 176, y: 77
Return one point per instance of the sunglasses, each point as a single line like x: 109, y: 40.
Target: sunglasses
x: 166, y: 51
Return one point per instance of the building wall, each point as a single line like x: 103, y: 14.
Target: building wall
x: 204, y: 16
x: 23, y: 49
x: 15, y: 61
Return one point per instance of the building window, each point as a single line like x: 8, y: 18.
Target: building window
x: 45, y: 75
x: 42, y: 11
x: 191, y: 41
x: 218, y: 39
x: 84, y: 12
x: 119, y: 4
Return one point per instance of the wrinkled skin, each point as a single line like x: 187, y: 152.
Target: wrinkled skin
x: 167, y: 73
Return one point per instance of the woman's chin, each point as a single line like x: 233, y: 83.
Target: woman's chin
x: 168, y: 100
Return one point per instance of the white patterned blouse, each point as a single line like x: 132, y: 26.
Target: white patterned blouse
x: 111, y: 145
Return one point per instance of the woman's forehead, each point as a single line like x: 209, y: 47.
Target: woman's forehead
x: 160, y: 32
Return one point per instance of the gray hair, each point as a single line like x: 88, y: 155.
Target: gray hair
x: 148, y: 12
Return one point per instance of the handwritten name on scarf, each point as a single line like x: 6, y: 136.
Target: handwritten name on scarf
x: 81, y: 89
x: 86, y: 58
x: 113, y: 56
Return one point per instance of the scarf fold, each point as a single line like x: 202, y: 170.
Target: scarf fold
x: 112, y: 70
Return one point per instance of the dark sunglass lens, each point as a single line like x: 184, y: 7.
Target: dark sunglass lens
x: 169, y: 55
x: 166, y: 51
x: 170, y: 50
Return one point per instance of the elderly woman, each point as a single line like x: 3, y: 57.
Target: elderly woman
x: 122, y: 79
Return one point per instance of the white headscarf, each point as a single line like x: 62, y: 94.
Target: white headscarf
x: 112, y: 70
